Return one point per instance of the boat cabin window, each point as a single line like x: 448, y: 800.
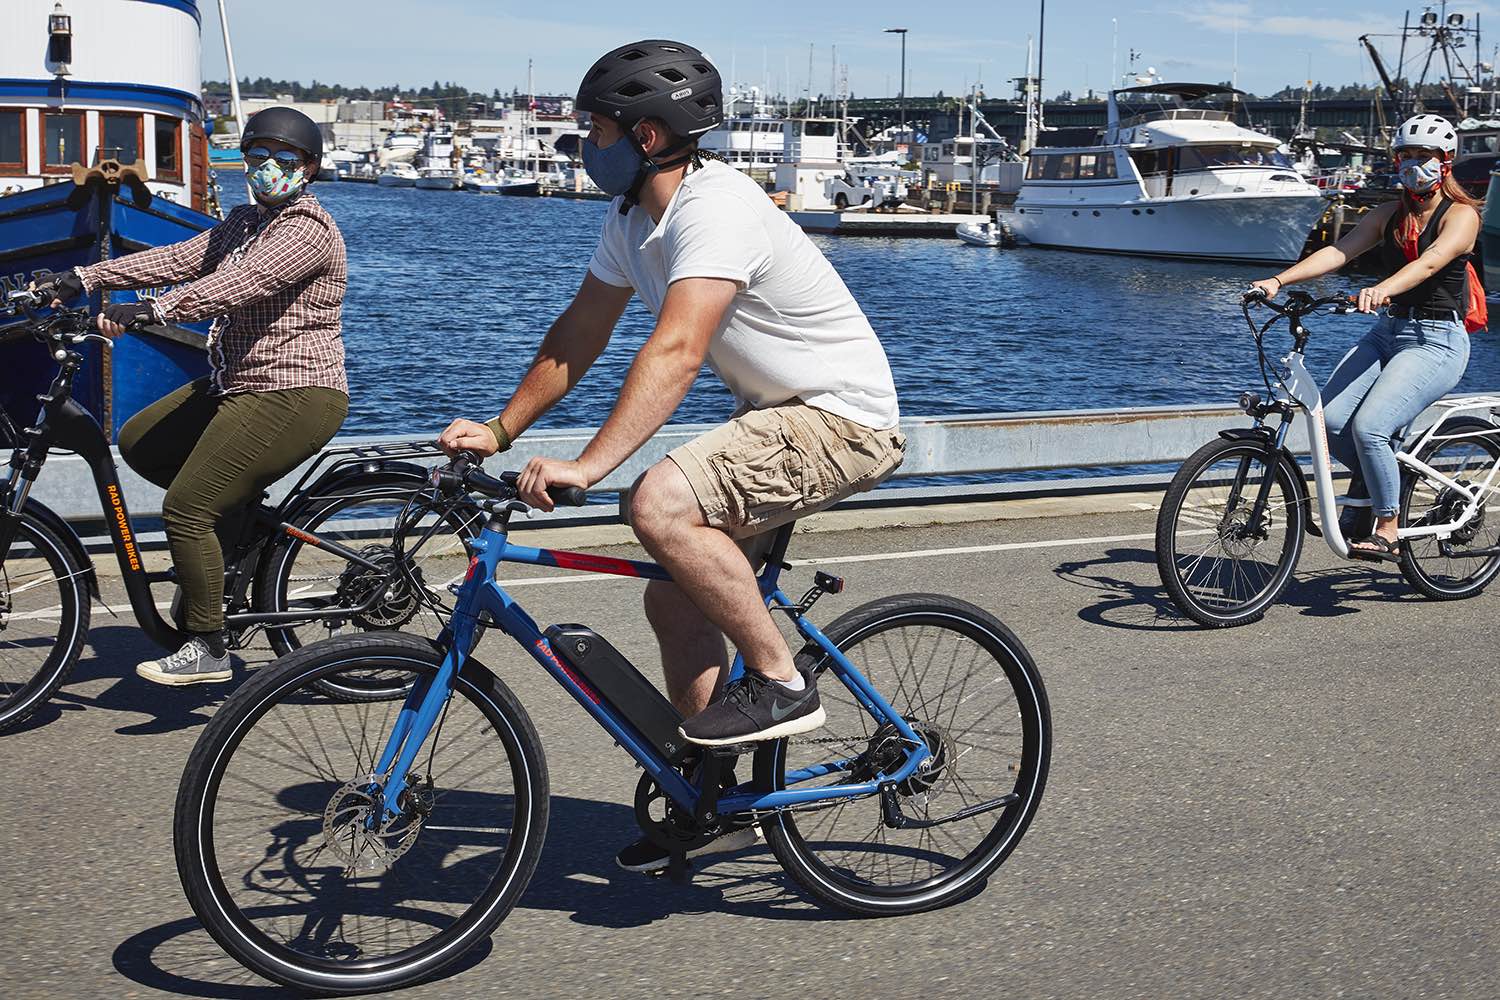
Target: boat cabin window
x: 824, y: 129
x: 62, y: 141
x: 120, y: 137
x: 168, y: 158
x: 1096, y: 166
x: 1204, y: 157
x: 1151, y: 161
x: 1486, y: 143
x: 12, y: 142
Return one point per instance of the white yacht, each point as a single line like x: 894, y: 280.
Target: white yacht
x: 435, y: 178
x: 398, y: 175
x: 1169, y: 179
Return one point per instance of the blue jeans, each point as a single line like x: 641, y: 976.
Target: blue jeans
x: 1399, y: 368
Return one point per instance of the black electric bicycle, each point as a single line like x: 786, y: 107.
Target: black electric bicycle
x: 320, y: 563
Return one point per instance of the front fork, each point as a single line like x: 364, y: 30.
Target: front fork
x: 1274, y: 443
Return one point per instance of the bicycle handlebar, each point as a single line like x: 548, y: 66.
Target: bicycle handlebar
x: 464, y: 473
x: 1300, y: 303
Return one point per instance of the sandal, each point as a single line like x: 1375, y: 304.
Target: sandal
x: 1381, y: 549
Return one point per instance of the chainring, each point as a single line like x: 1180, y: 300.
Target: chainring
x: 675, y: 829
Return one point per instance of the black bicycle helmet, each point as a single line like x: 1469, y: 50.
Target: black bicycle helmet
x: 655, y: 79
x: 287, y: 125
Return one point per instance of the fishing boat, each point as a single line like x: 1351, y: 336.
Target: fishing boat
x: 1173, y: 175
x: 102, y: 153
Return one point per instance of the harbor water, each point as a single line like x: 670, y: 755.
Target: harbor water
x: 450, y: 293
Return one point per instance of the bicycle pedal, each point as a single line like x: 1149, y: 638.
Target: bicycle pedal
x: 733, y: 750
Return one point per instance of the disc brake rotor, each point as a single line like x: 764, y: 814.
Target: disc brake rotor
x: 350, y: 838
x: 1236, y: 536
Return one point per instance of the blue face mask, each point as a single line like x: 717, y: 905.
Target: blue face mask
x: 615, y: 167
x: 1421, y: 176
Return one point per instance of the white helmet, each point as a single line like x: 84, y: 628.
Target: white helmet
x: 1427, y: 132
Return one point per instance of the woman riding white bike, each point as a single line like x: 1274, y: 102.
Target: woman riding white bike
x: 1418, y: 349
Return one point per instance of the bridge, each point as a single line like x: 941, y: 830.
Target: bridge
x: 1293, y: 808
x: 938, y: 117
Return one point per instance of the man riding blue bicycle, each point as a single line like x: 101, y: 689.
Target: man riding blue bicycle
x: 733, y: 283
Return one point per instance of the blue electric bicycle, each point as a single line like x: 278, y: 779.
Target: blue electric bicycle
x: 352, y: 847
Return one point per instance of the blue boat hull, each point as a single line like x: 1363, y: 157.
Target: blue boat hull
x: 59, y: 227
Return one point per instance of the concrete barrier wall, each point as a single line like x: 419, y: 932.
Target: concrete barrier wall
x: 936, y: 446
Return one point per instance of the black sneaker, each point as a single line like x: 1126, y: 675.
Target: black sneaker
x: 645, y: 856
x: 756, y: 708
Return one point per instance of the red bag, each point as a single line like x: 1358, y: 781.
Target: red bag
x: 1476, y: 310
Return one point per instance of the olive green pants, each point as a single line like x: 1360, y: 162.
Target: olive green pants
x: 214, y: 455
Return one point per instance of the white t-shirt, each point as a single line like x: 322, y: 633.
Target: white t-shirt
x: 792, y: 330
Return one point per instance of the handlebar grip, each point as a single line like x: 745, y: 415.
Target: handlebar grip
x: 568, y: 496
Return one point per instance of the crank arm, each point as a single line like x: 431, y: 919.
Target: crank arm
x: 890, y: 808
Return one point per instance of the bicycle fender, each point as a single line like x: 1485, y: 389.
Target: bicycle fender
x: 1262, y: 435
x: 376, y: 473
x: 64, y: 531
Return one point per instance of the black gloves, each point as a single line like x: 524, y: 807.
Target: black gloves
x: 129, y: 314
x: 66, y: 286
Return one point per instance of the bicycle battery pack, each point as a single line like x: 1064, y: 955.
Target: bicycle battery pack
x: 607, y: 671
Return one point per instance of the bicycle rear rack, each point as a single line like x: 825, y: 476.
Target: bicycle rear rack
x: 372, y: 456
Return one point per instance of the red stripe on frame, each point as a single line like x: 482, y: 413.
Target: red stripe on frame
x: 591, y: 563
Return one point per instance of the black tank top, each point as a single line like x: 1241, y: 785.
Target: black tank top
x: 1448, y: 288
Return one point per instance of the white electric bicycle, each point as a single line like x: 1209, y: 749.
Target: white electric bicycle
x: 1230, y: 528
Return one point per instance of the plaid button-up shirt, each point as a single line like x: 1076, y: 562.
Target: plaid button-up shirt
x: 273, y: 280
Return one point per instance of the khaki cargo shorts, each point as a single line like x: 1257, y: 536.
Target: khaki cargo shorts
x: 771, y: 466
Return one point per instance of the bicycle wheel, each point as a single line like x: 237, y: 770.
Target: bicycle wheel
x: 271, y: 846
x: 1220, y: 567
x: 44, y: 617
x: 1446, y: 569
x: 299, y: 576
x: 966, y: 684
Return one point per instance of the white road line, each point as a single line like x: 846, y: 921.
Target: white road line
x: 1000, y: 547
x: 880, y: 556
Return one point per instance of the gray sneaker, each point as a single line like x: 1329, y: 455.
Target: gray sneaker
x: 192, y: 664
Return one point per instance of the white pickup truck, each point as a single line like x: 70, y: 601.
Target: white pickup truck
x: 848, y: 191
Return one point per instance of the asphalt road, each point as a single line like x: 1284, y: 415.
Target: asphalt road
x: 1305, y: 807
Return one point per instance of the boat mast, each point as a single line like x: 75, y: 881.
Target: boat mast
x: 531, y: 139
x: 234, y: 84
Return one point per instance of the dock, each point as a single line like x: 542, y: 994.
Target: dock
x: 856, y: 223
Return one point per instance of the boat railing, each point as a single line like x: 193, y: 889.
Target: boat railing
x: 1226, y: 179
x: 1176, y: 114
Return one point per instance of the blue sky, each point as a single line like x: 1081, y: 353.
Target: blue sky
x: 486, y: 45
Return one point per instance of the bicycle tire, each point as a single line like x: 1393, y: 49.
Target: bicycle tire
x: 73, y: 610
x: 196, y: 804
x: 1170, y: 525
x: 280, y: 566
x: 1483, y: 524
x: 832, y: 884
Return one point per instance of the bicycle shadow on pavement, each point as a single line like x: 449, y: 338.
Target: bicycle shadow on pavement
x: 111, y: 654
x: 180, y: 958
x: 1129, y: 603
x: 577, y: 875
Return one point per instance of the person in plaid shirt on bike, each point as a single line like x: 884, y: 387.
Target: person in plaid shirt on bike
x: 272, y: 276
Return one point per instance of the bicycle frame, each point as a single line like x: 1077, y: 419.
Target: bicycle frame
x: 480, y: 594
x: 63, y: 423
x: 1302, y: 391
